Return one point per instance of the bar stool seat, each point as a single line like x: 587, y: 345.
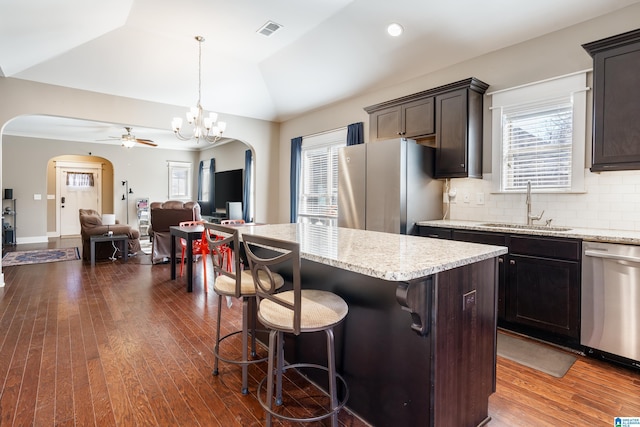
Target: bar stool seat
x: 319, y: 310
x: 235, y: 283
x: 293, y: 311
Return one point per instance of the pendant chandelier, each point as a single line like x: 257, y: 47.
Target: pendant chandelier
x: 206, y: 128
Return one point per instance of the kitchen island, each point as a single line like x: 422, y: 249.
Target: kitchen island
x: 418, y: 347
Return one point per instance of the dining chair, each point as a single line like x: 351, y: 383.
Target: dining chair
x: 234, y: 283
x: 292, y: 311
x: 199, y: 247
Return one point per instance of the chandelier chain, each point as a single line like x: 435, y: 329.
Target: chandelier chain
x: 200, y: 40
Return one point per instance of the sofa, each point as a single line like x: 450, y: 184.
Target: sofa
x: 91, y: 225
x: 163, y: 216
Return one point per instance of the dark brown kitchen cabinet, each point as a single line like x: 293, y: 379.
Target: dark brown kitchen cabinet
x: 544, y: 293
x: 538, y: 282
x: 543, y: 288
x: 434, y: 232
x: 616, y: 91
x: 451, y: 113
x: 412, y: 119
x: 459, y: 134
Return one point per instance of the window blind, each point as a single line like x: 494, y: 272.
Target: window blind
x: 537, y: 144
x: 319, y: 181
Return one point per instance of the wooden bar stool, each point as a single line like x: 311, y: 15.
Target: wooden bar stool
x: 294, y: 311
x: 233, y: 283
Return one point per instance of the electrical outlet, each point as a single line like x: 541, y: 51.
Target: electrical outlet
x: 480, y: 198
x: 469, y: 300
x: 465, y: 197
x: 452, y: 195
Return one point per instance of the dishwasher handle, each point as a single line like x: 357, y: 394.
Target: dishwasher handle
x: 600, y: 254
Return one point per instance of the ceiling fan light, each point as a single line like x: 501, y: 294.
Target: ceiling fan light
x: 128, y: 142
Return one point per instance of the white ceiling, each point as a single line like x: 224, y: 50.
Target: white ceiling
x: 326, y: 51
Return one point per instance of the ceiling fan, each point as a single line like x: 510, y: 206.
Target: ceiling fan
x: 129, y: 140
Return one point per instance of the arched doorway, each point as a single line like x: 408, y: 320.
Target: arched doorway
x: 65, y: 179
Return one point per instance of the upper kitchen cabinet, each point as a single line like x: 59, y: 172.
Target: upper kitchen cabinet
x: 459, y: 130
x: 409, y: 118
x: 616, y: 91
x: 452, y: 114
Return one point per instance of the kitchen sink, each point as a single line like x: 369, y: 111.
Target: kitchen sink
x: 526, y: 227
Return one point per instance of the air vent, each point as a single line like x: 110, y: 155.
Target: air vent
x: 269, y: 28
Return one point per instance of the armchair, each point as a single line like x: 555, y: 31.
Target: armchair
x: 163, y: 216
x: 91, y: 225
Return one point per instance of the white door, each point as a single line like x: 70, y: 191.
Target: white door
x: 79, y: 187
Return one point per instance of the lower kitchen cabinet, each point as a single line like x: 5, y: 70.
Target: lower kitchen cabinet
x: 545, y: 294
x: 539, y: 282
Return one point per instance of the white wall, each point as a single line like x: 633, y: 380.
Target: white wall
x: 24, y: 169
x: 20, y: 97
x: 548, y: 56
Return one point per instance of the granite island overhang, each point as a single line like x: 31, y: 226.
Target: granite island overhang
x: 418, y: 344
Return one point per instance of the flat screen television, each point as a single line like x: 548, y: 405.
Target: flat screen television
x: 228, y: 188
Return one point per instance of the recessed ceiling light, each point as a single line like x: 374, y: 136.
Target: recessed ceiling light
x: 395, y: 29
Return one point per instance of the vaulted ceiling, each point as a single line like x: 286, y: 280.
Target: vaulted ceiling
x: 326, y: 50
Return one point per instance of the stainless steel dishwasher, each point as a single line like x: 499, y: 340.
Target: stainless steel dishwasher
x: 610, y: 311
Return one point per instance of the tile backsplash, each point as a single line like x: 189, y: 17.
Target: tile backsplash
x: 611, y: 201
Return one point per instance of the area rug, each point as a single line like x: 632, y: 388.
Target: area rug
x: 534, y: 355
x: 40, y: 256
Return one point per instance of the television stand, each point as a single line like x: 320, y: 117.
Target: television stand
x: 215, y: 217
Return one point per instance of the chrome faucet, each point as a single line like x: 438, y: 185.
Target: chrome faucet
x: 531, y: 218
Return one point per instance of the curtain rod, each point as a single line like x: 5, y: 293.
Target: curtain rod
x: 539, y: 81
x: 324, y: 132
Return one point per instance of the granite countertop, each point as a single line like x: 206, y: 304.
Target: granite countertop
x: 386, y: 256
x: 589, y: 234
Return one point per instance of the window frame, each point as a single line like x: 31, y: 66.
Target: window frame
x: 546, y: 94
x: 180, y: 167
x: 326, y: 140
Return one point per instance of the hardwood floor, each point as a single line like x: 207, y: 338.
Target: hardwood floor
x: 121, y: 344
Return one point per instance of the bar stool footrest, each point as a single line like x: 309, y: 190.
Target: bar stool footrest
x: 341, y: 404
x: 216, y: 351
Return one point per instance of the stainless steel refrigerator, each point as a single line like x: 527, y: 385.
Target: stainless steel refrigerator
x: 387, y: 186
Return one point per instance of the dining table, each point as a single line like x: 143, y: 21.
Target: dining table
x: 189, y: 233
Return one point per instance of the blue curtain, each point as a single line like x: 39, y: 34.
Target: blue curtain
x: 247, y: 187
x: 355, y: 133
x: 294, y: 183
x: 212, y: 185
x: 200, y: 172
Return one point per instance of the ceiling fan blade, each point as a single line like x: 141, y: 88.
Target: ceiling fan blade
x: 146, y: 142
